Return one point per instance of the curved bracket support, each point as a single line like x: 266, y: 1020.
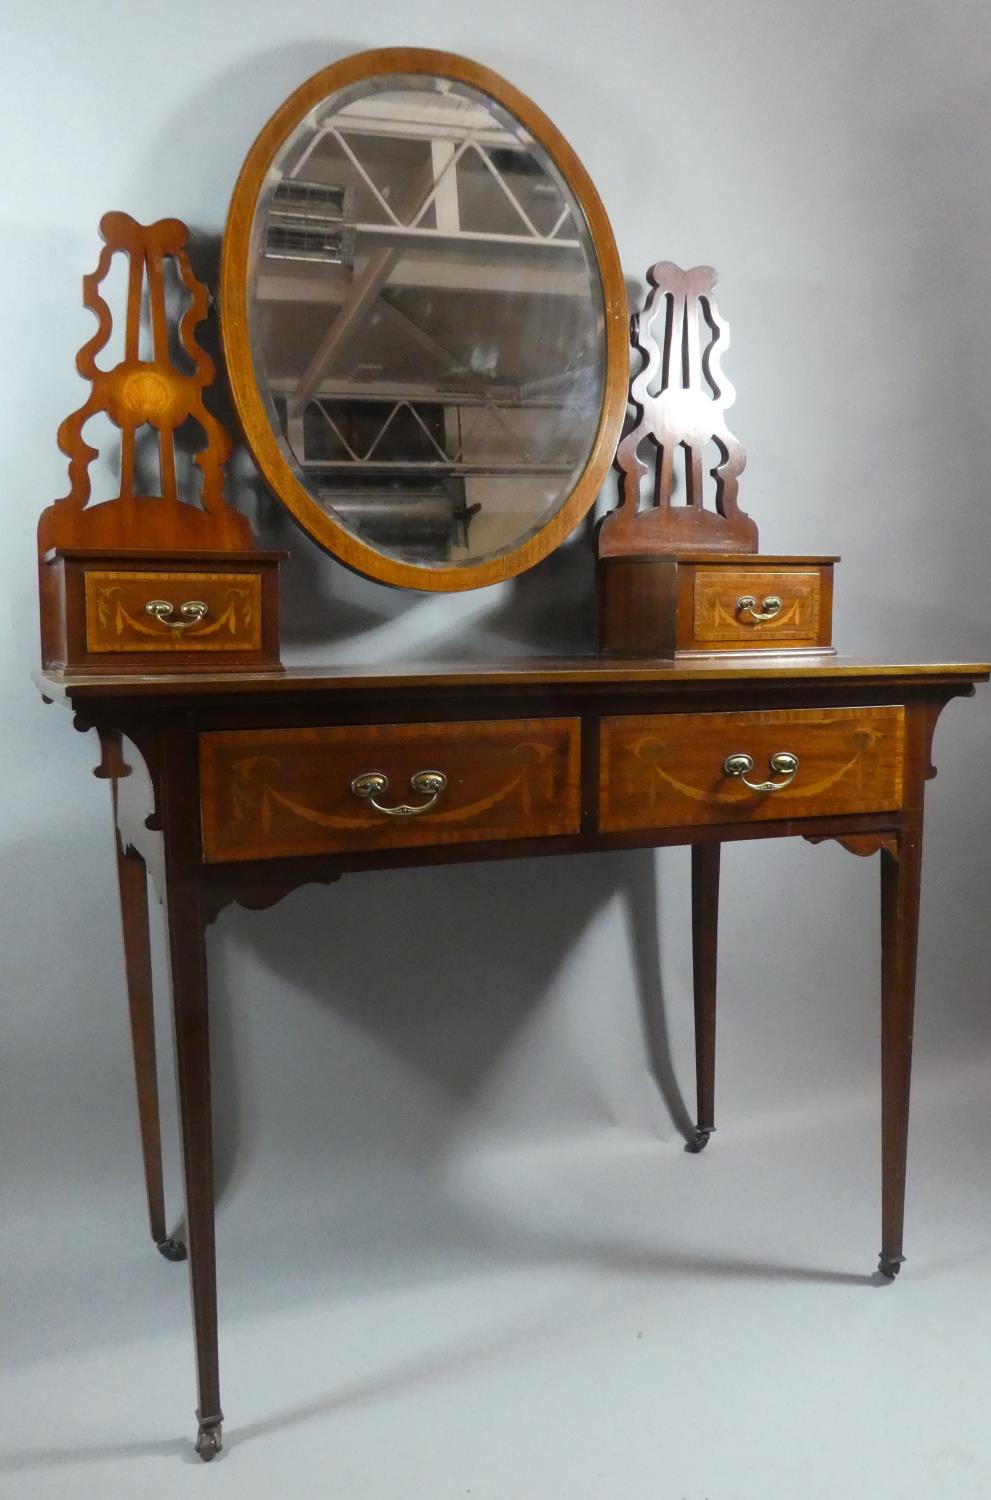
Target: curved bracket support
x: 132, y: 813
x: 862, y: 844
x: 931, y: 712
x: 112, y: 765
x: 263, y: 892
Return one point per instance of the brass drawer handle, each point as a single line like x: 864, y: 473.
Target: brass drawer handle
x: 372, y: 784
x: 193, y: 611
x: 770, y: 606
x: 782, y: 761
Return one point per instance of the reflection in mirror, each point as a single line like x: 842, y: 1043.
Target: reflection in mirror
x: 426, y: 318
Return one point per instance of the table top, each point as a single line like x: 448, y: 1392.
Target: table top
x: 530, y: 671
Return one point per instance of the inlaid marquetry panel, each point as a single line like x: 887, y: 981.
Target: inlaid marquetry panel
x: 285, y: 792
x: 668, y: 770
x: 720, y: 619
x: 118, y: 618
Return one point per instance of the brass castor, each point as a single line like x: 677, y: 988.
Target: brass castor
x: 208, y: 1441
x: 171, y: 1249
x: 890, y: 1265
x: 699, y: 1140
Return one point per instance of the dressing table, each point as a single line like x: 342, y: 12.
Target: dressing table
x: 425, y: 330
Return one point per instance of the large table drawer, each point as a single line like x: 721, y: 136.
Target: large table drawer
x: 275, y: 793
x: 669, y: 770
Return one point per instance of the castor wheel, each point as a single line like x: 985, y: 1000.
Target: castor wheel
x: 208, y: 1441
x: 171, y: 1249
x: 890, y: 1265
x: 699, y: 1141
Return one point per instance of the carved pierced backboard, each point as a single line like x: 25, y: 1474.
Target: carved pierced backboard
x: 136, y: 393
x: 680, y: 397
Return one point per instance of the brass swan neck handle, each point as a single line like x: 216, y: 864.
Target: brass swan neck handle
x: 770, y: 606
x: 371, y: 784
x: 783, y: 762
x: 192, y: 612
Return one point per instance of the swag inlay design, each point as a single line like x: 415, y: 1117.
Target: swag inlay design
x: 114, y: 617
x: 253, y: 781
x: 655, y: 754
x: 672, y: 769
x: 290, y: 793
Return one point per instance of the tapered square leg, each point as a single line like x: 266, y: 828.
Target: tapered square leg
x: 132, y: 881
x: 901, y: 869
x: 190, y: 1010
x: 705, y: 930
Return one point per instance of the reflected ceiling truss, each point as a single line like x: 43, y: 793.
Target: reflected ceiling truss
x: 477, y: 419
x: 450, y: 140
x: 477, y: 435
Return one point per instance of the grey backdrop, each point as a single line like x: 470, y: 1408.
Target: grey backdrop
x: 379, y: 1041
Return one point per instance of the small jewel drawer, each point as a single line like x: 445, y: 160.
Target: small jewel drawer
x: 205, y: 610
x: 283, y: 793
x: 674, y: 770
x: 705, y: 604
x: 758, y: 608
x: 172, y: 611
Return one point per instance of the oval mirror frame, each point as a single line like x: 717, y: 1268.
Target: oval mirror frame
x: 251, y: 404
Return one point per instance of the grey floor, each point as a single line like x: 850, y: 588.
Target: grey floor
x: 610, y: 1319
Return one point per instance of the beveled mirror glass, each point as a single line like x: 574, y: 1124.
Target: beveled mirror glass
x: 424, y: 320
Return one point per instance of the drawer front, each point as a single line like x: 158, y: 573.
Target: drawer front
x: 668, y: 770
x: 723, y: 615
x: 278, y: 793
x: 118, y: 617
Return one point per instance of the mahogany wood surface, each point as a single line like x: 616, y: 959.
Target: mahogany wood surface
x: 901, y: 874
x: 186, y: 931
x: 133, y: 886
x: 268, y: 793
x: 85, y: 618
x: 862, y: 844
x: 705, y: 931
x: 137, y: 393
x: 117, y: 618
x: 681, y: 396
x: 152, y: 730
x: 667, y: 770
x: 541, y: 674
x: 718, y: 620
x: 102, y: 623
x: 676, y: 606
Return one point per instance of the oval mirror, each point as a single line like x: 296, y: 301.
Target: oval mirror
x: 424, y: 320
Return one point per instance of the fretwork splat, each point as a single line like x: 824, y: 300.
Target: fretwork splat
x: 680, y: 396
